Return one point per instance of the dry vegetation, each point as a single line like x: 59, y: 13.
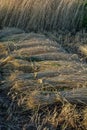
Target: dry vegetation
x: 41, y: 85
x: 39, y: 15
x: 43, y: 75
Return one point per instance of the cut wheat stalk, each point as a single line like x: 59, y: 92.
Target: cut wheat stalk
x: 5, y: 61
x: 41, y: 98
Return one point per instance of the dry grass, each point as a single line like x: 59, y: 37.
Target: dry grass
x: 39, y: 15
x: 41, y: 85
x: 3, y: 51
x: 85, y: 117
x: 43, y: 94
x: 83, y: 50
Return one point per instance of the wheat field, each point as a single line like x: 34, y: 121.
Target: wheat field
x: 43, y: 65
x: 39, y: 15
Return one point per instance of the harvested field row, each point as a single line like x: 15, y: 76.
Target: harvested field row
x: 38, y: 77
